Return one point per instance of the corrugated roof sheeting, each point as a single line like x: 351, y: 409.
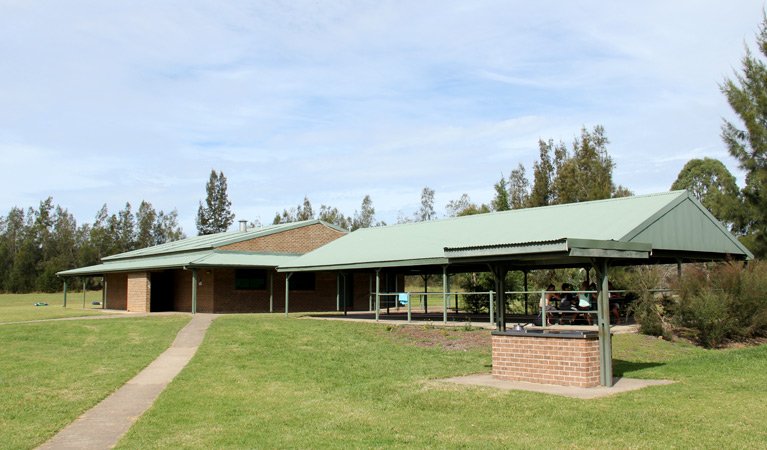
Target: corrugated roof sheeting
x: 206, y: 258
x: 602, y: 221
x: 212, y: 241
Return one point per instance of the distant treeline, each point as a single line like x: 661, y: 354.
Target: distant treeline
x: 38, y: 242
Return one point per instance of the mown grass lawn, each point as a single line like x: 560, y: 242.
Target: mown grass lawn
x: 51, y: 372
x: 270, y: 382
x: 21, y: 307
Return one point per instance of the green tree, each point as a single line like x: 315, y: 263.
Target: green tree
x: 465, y: 207
x: 61, y: 253
x: 333, y: 215
x: 124, y: 228
x: 216, y: 216
x: 543, y: 176
x: 519, y: 188
x: 454, y: 208
x: 295, y: 214
x: 12, y: 233
x: 714, y: 186
x: 501, y: 200
x: 102, y: 234
x: 145, y: 221
x: 587, y: 173
x: 747, y: 96
x: 366, y: 218
x: 426, y: 211
x: 305, y: 212
x: 166, y: 228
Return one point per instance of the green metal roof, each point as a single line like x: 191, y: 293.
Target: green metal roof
x: 199, y: 251
x: 670, y: 221
x: 212, y: 241
x: 199, y: 259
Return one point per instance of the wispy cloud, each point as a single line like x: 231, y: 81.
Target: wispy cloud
x: 107, y: 102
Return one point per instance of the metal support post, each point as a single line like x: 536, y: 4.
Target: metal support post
x: 501, y: 303
x: 83, y: 293
x: 444, y: 294
x: 492, y: 300
x: 603, y: 318
x: 65, y: 294
x: 425, y: 295
x: 499, y: 273
x: 378, y: 292
x: 370, y: 294
x: 104, y: 294
x: 396, y: 289
x: 408, y: 307
x: 194, y: 291
x: 525, y: 281
x: 338, y: 291
x: 287, y: 291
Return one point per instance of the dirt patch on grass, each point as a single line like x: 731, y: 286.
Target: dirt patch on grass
x: 456, y: 339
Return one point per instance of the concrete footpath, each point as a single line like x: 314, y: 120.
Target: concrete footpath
x: 103, y: 425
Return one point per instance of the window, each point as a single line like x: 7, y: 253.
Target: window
x: 302, y: 281
x: 250, y: 279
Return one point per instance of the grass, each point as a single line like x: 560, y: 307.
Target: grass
x: 51, y: 372
x: 20, y: 307
x: 269, y: 382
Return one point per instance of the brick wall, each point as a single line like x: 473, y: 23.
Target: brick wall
x: 299, y: 240
x: 117, y: 290
x: 228, y: 299
x: 138, y: 292
x: 562, y: 361
x: 182, y: 290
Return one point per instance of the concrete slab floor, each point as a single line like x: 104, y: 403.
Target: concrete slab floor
x: 619, y: 385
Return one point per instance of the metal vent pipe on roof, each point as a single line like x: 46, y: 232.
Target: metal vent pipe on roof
x: 243, y: 225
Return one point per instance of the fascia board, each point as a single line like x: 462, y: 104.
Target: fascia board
x: 365, y: 265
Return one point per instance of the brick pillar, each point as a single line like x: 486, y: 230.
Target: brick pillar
x: 138, y: 292
x: 567, y: 359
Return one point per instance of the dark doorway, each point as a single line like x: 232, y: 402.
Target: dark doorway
x: 161, y: 293
x: 347, y: 292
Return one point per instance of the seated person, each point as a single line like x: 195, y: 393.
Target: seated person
x: 614, y: 306
x: 584, y: 302
x: 551, y: 297
x: 568, y: 301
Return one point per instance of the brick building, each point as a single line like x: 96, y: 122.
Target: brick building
x: 230, y: 272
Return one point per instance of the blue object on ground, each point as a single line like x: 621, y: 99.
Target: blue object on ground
x: 41, y: 304
x: 95, y: 303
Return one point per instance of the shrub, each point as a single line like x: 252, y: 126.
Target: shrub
x: 651, y: 310
x: 723, y: 301
x: 707, y: 315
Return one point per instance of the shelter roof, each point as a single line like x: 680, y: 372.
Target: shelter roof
x: 199, y: 251
x: 212, y: 241
x: 671, y: 225
x: 191, y: 260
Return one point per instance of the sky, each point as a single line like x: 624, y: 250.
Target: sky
x: 115, y: 102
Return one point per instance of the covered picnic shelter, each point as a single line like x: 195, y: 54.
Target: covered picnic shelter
x: 665, y: 228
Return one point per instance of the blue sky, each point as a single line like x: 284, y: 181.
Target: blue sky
x: 108, y: 102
